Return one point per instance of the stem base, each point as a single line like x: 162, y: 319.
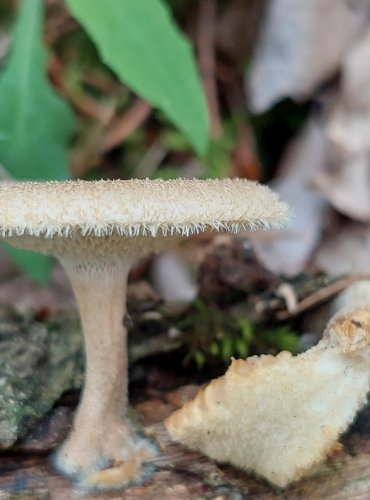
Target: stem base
x: 108, y: 459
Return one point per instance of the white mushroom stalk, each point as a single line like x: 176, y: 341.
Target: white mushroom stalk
x: 98, y: 230
x: 279, y: 416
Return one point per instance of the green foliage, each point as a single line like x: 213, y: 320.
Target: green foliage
x: 234, y: 339
x: 216, y: 162
x: 284, y: 339
x: 214, y: 336
x: 175, y: 140
x: 227, y: 341
x: 140, y: 42
x: 166, y: 172
x: 34, y: 264
x: 211, y: 333
x: 199, y: 358
x: 35, y: 124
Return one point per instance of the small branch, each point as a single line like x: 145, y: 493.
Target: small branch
x: 151, y: 160
x: 85, y: 155
x: 321, y: 296
x: 58, y: 22
x: 101, y: 82
x: 82, y: 102
x: 123, y: 126
x: 206, y: 53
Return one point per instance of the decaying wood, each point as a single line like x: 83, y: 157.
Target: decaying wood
x: 181, y: 474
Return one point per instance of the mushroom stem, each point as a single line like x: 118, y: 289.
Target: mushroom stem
x: 101, y: 435
x: 101, y: 297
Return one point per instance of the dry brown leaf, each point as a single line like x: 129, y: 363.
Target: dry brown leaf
x: 237, y: 25
x: 287, y: 251
x: 346, y: 251
x: 346, y: 186
x: 346, y: 181
x: 349, y: 124
x: 301, y: 45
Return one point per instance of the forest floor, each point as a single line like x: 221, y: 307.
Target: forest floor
x: 160, y: 384
x: 182, y: 474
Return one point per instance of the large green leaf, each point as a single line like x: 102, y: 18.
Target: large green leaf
x: 140, y: 42
x: 34, y: 264
x: 35, y: 123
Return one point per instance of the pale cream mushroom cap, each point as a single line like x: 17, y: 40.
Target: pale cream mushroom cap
x: 137, y: 207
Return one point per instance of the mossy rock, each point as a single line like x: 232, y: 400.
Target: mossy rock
x: 38, y: 362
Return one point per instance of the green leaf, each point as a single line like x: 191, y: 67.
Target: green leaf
x: 199, y: 359
x: 35, y: 123
x: 242, y: 348
x: 246, y: 329
x: 226, y: 348
x: 166, y: 172
x: 284, y: 339
x: 140, y: 42
x: 35, y: 265
x: 214, y: 349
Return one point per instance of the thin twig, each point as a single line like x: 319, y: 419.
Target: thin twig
x: 58, y: 22
x: 206, y: 34
x: 320, y: 296
x: 85, y: 155
x: 101, y: 82
x: 123, y: 126
x: 82, y: 102
x: 151, y: 160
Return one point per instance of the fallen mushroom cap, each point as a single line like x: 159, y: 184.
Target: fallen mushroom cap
x: 280, y: 416
x: 98, y: 230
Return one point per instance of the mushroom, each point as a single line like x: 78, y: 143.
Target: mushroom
x: 279, y: 416
x: 98, y: 230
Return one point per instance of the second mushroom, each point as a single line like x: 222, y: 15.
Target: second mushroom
x: 98, y: 230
